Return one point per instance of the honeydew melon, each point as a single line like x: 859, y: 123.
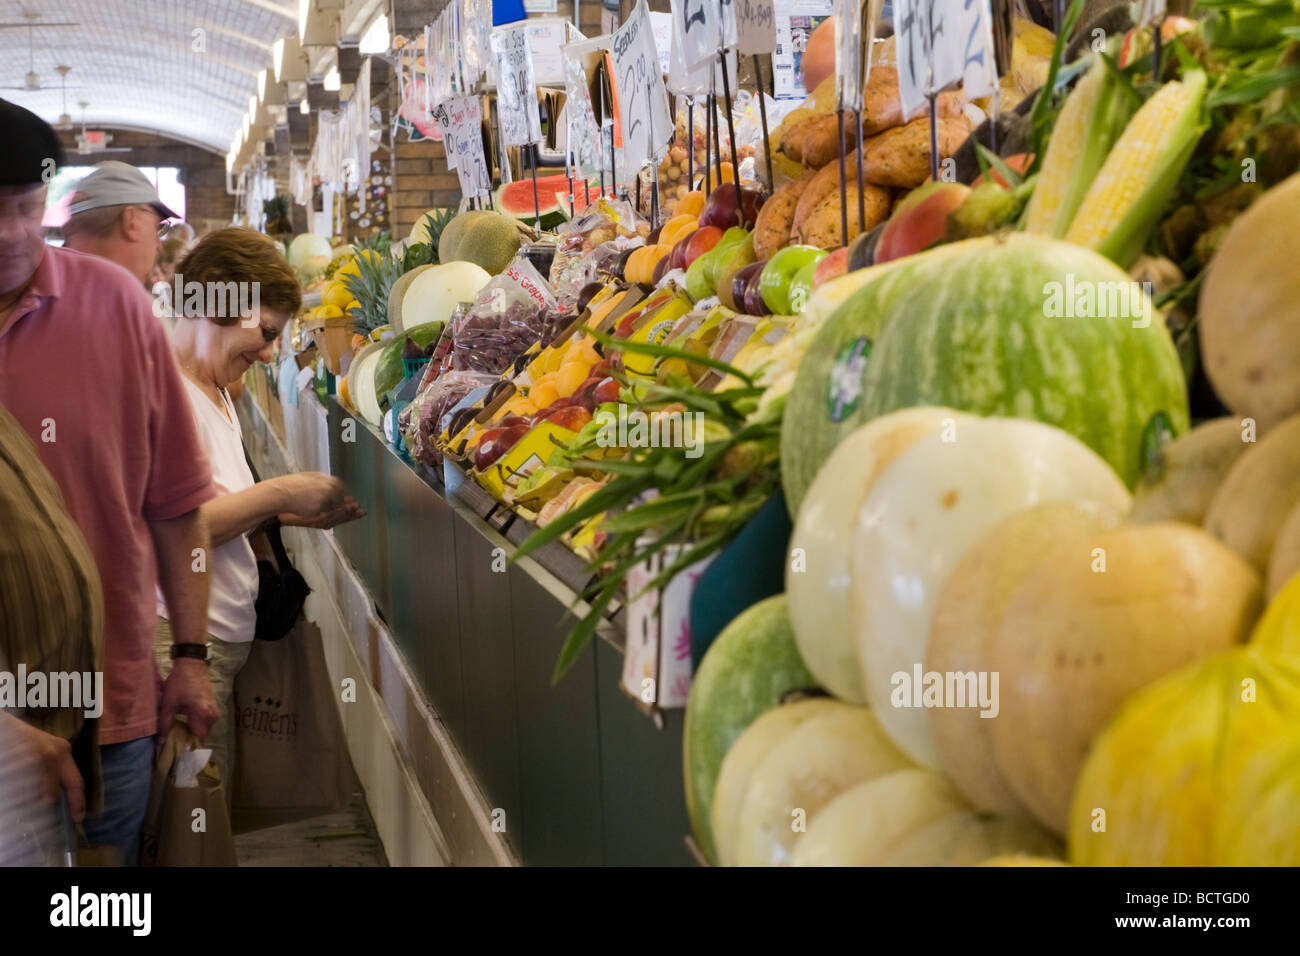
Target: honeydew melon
x: 936, y: 500
x: 434, y: 294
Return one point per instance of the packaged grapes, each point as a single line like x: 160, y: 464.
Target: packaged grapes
x: 508, y: 315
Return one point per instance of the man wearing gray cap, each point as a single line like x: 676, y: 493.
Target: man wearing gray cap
x: 115, y: 430
x: 116, y: 214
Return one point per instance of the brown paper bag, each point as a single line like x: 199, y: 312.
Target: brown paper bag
x: 175, y: 832
x: 291, y: 758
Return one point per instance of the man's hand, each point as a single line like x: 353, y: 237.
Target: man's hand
x: 58, y: 769
x: 188, y: 692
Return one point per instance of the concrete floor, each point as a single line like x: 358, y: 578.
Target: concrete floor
x: 347, y: 838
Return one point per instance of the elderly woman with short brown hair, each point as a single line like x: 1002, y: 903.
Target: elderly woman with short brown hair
x: 215, y: 343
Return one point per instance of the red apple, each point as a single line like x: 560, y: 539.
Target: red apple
x: 740, y: 283
x: 835, y: 264
x: 754, y: 304
x: 496, y: 442
x: 607, y: 391
x: 700, y: 242
x: 661, y: 268
x: 726, y: 207
x: 920, y: 220
x: 1019, y: 162
x: 574, y: 418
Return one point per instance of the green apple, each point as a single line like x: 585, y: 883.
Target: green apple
x: 698, y: 286
x: 774, y: 284
x: 801, y: 287
x: 719, y: 253
x: 729, y: 263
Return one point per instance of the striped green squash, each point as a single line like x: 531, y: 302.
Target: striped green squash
x: 1022, y: 326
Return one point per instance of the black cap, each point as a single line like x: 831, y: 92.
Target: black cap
x: 32, y: 153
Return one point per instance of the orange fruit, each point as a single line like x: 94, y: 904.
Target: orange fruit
x: 692, y: 204
x: 568, y: 378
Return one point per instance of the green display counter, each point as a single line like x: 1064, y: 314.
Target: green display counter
x: 583, y: 775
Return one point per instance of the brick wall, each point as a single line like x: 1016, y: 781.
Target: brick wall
x: 202, y: 172
x: 421, y: 179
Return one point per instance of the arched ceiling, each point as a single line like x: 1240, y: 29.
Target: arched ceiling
x: 184, y: 68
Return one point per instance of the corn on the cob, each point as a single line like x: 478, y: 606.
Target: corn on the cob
x: 1089, y: 123
x: 1133, y: 184
x: 1068, y: 136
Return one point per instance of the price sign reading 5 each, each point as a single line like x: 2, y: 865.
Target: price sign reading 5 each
x: 756, y: 24
x: 521, y: 122
x: 642, y: 99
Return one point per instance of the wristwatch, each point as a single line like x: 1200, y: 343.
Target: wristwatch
x: 198, y: 652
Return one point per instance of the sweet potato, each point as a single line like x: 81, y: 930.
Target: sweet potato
x: 901, y: 156
x: 823, y: 225
x: 775, y: 219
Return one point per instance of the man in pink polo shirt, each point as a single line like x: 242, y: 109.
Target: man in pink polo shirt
x: 88, y: 372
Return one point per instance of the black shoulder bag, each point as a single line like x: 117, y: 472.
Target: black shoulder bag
x: 281, y: 590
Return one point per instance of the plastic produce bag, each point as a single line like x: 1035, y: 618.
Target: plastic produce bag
x: 504, y: 321
x: 603, y: 221
x: 431, y: 409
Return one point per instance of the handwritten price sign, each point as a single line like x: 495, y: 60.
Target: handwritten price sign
x: 642, y: 99
x: 701, y: 29
x: 521, y: 122
x: 979, y: 66
x: 465, y: 131
x: 756, y: 24
x: 848, y: 54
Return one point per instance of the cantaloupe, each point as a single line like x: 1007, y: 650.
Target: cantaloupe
x: 1258, y: 493
x: 1099, y: 618
x: 818, y: 576
x: 938, y: 498
x: 1180, y: 483
x: 966, y: 618
x: 434, y: 294
x: 802, y: 773
x: 1249, y: 309
x: 864, y: 824
x: 743, y: 758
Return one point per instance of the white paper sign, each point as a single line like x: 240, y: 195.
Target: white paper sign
x: 584, y: 132
x: 466, y: 127
x: 848, y: 54
x: 443, y: 118
x: 662, y: 26
x: 521, y: 121
x: 756, y: 25
x: 946, y: 40
x: 979, y: 65
x: 911, y: 32
x: 694, y: 81
x: 701, y: 29
x: 1150, y: 11
x: 727, y: 29
x: 545, y: 38
x: 642, y: 99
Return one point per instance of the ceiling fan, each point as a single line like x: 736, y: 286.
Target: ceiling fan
x: 32, y: 81
x: 95, y: 140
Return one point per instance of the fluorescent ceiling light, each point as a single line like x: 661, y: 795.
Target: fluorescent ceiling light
x: 376, y: 39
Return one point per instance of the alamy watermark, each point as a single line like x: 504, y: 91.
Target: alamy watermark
x: 55, y: 690
x: 212, y: 300
x: 1086, y: 299
x: 974, y: 689
x: 634, y: 428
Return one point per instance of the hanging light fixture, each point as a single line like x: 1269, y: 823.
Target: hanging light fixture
x: 65, y: 120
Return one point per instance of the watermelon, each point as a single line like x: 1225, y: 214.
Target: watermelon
x: 978, y: 326
x: 753, y: 663
x: 516, y: 199
x: 389, y: 370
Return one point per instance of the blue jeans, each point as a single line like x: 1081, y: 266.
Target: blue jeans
x: 128, y: 773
